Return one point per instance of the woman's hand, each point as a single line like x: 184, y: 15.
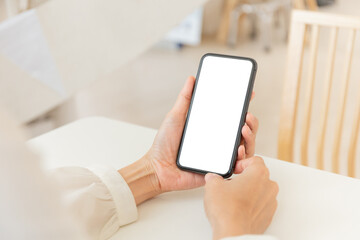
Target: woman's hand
x: 156, y: 172
x: 164, y: 150
x: 243, y: 205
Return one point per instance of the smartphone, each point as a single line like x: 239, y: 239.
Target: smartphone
x: 217, y: 112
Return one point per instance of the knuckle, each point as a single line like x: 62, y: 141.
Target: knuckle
x: 251, y: 161
x: 262, y: 171
x: 275, y: 187
x: 258, y: 160
x: 250, y: 132
x: 266, y: 172
x: 186, y: 96
x: 253, y: 136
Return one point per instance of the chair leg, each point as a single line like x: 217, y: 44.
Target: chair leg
x: 287, y: 19
x: 233, y: 28
x: 223, y: 31
x: 266, y: 19
x: 253, y: 23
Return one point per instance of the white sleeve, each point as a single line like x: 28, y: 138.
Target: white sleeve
x: 70, y: 203
x: 99, y: 197
x: 251, y: 237
x: 30, y: 205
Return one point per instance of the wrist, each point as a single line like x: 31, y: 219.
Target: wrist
x: 141, y: 179
x: 227, y: 229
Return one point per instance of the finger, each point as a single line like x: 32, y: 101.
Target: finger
x: 249, y: 141
x: 241, y: 148
x: 183, y: 101
x: 244, y: 164
x: 252, y: 122
x: 252, y: 96
x: 240, y: 156
x: 238, y: 167
x: 212, y: 178
x: 242, y: 141
x: 241, y: 152
x: 199, y: 179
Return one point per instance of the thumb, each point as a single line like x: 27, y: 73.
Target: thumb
x: 212, y: 178
x: 183, y: 101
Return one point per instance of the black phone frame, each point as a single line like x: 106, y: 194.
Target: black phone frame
x: 242, y: 119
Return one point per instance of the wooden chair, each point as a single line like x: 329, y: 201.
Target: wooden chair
x: 261, y: 14
x: 230, y: 5
x: 302, y: 20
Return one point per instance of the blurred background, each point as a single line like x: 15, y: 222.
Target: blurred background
x: 138, y: 81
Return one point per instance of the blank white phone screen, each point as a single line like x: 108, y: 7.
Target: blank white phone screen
x: 216, y: 111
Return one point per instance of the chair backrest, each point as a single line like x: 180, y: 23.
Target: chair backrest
x: 333, y: 24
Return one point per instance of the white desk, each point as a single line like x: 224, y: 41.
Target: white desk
x: 313, y: 204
